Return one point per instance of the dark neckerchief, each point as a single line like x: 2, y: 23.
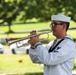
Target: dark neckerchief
x: 53, y: 48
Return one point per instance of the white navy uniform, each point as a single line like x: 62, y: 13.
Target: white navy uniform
x: 58, y: 62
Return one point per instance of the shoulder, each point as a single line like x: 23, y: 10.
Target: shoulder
x: 68, y: 45
x: 49, y: 44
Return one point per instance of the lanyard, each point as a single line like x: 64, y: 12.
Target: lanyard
x: 52, y: 48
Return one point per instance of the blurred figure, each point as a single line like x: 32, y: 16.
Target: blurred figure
x: 58, y: 56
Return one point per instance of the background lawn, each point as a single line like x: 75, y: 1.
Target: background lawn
x: 31, y: 26
x: 9, y: 64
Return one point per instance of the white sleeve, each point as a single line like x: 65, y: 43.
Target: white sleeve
x: 34, y: 56
x: 65, y: 52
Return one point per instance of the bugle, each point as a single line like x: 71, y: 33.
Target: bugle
x: 25, y: 38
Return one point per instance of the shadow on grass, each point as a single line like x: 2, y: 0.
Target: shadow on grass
x: 39, y: 73
x: 74, y: 67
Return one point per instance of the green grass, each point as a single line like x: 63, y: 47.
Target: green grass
x: 72, y: 33
x: 16, y: 27
x: 9, y: 65
x: 31, y: 26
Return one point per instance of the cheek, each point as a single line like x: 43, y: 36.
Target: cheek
x: 58, y: 30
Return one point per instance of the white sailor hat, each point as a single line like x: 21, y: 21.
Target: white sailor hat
x: 61, y: 17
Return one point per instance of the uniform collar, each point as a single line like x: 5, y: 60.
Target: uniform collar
x: 67, y: 36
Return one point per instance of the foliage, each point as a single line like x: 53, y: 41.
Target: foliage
x: 11, y: 10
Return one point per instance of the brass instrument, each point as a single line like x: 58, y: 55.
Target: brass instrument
x: 23, y: 41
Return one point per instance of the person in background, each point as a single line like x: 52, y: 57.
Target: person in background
x: 58, y: 56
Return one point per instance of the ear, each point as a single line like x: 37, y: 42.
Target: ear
x: 64, y: 26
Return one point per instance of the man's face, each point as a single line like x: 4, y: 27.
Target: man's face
x: 57, y: 28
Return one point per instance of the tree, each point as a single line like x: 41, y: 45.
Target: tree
x: 40, y: 9
x: 9, y: 11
